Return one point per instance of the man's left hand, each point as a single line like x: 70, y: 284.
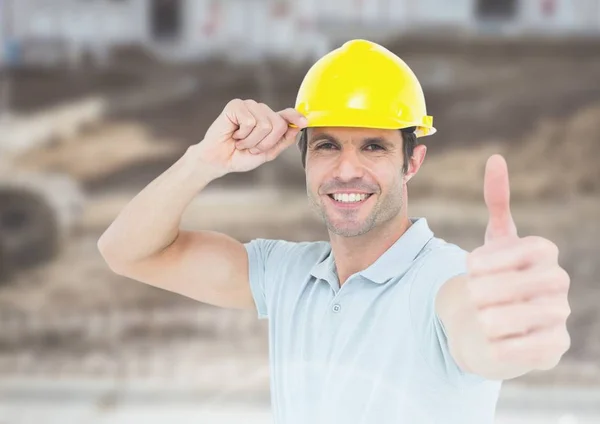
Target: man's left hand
x: 516, y: 287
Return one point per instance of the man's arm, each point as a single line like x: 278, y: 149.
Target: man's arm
x: 145, y: 242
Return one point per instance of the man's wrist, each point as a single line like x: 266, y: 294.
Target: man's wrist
x: 202, y: 169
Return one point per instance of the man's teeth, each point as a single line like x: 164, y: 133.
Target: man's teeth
x: 350, y: 197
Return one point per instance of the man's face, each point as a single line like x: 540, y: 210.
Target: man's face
x: 354, y: 177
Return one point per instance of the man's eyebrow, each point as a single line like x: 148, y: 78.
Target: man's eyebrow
x: 322, y: 137
x: 380, y: 140
x: 364, y: 141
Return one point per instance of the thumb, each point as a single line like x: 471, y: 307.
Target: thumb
x: 496, y: 191
x: 294, y: 118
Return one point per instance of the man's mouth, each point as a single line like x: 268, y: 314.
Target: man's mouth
x: 349, y: 198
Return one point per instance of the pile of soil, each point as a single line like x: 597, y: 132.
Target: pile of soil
x: 34, y: 89
x: 557, y: 159
x: 561, y: 157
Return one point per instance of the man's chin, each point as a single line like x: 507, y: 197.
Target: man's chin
x: 346, y: 229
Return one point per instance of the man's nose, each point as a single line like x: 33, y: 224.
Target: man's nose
x: 348, y: 166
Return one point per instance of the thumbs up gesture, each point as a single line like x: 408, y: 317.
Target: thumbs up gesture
x: 515, y: 286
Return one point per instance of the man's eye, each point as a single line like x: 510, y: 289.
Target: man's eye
x: 374, y: 147
x: 326, y: 146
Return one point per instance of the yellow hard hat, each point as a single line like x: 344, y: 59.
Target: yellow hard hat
x: 362, y: 84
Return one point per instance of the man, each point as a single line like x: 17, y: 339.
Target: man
x: 385, y: 323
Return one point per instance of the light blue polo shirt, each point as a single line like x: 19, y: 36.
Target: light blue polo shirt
x: 372, y: 352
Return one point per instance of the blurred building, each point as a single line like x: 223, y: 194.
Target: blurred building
x: 193, y: 29
x: 171, y: 29
x: 519, y: 17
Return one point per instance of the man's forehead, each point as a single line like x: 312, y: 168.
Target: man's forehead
x: 353, y: 133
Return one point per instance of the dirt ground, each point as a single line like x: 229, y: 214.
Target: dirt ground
x: 538, y: 105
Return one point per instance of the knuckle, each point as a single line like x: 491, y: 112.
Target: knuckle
x: 289, y: 113
x: 271, y: 146
x: 535, y: 241
x: 280, y: 126
x: 555, y: 279
x: 264, y: 125
x: 562, y: 279
x: 265, y: 107
x: 532, y: 242
x: 551, y: 249
x: 234, y: 102
x: 566, y: 311
x: 557, y: 314
x: 265, y: 146
x: 542, y: 245
x: 566, y: 341
x: 559, y: 347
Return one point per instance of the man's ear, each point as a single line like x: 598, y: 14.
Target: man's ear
x: 415, y: 162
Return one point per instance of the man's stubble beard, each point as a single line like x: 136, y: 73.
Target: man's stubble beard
x: 386, y: 208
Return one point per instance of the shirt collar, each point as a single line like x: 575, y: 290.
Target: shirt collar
x: 393, y: 262
x: 325, y: 268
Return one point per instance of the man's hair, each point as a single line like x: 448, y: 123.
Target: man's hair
x: 409, y: 141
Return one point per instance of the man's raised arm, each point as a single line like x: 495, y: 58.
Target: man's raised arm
x: 145, y: 242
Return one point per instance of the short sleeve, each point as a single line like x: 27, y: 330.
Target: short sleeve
x: 261, y: 257
x: 441, y: 264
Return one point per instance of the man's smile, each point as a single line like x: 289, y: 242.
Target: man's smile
x: 349, y: 199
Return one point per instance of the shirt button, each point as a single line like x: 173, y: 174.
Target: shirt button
x: 336, y: 308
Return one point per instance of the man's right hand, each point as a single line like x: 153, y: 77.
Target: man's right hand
x: 246, y: 135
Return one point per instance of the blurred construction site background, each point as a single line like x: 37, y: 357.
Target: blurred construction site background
x: 98, y: 97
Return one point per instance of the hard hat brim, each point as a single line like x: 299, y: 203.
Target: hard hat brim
x: 362, y: 119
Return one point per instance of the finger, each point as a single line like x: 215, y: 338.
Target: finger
x: 497, y: 199
x: 297, y: 122
x: 292, y: 116
x: 262, y: 128
x: 519, y: 255
x: 239, y: 114
x: 517, y: 286
x: 536, y: 349
x: 279, y: 128
x: 523, y: 318
x: 291, y: 134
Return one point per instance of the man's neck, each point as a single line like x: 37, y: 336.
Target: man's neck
x: 354, y: 254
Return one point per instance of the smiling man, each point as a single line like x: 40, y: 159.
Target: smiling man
x: 383, y: 323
